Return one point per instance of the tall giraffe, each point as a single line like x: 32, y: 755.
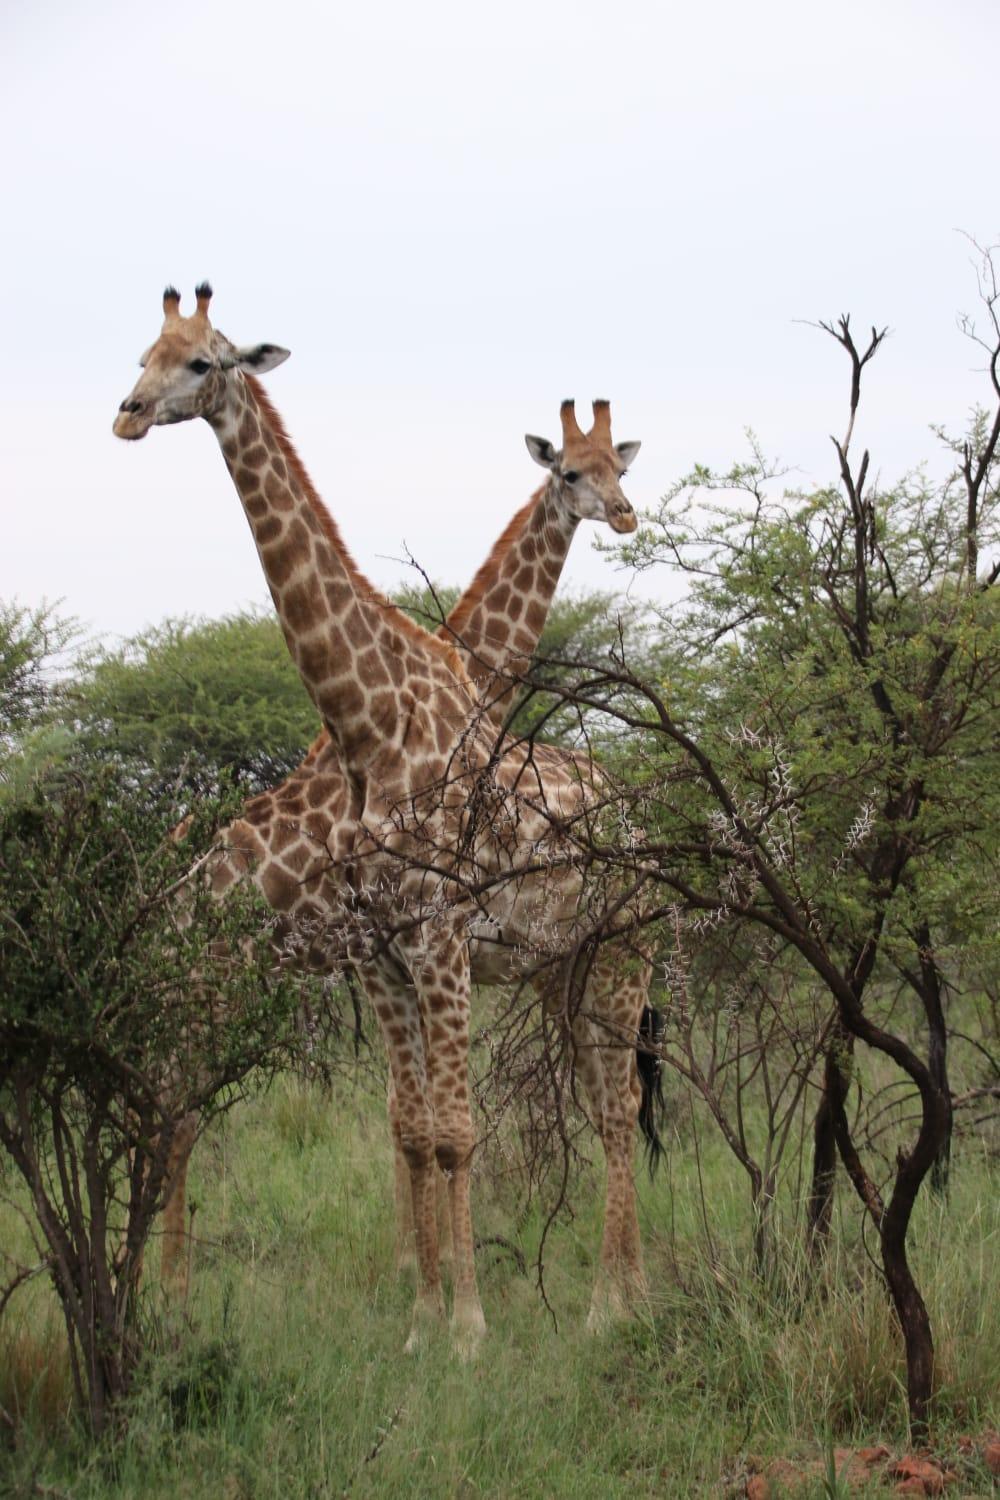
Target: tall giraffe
x: 281, y: 838
x: 402, y: 713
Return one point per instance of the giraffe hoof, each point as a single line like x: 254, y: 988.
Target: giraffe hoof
x: 466, y: 1346
x: 416, y: 1341
x: 428, y: 1314
x: 468, y: 1329
x: 599, y: 1321
x: 406, y: 1266
x: 607, y: 1307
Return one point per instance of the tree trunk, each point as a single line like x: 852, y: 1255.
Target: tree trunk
x: 937, y: 1054
x: 893, y: 1220
x: 763, y: 1239
x: 820, y: 1203
x: 913, y: 1318
x: 938, y: 1064
x: 909, y: 1305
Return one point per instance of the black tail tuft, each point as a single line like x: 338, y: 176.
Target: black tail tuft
x: 651, y: 1029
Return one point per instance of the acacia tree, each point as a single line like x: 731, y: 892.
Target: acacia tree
x: 816, y: 757
x: 107, y: 1048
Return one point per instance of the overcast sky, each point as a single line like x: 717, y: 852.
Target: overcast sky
x: 454, y: 215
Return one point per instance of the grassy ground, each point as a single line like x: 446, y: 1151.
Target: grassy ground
x: 290, y: 1379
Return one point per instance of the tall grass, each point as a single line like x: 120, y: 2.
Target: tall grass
x: 285, y: 1376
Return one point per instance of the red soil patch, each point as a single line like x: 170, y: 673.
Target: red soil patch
x: 910, y: 1474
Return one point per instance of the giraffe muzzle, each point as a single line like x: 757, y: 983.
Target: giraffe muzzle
x: 133, y: 420
x: 623, y: 519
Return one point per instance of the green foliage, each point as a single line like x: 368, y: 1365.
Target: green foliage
x: 429, y: 605
x: 199, y: 703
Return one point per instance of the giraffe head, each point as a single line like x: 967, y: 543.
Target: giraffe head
x: 185, y: 373
x: 587, y: 469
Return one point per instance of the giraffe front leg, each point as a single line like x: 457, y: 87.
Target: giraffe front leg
x: 406, y: 1244
x: 418, y: 1148
x: 468, y: 1322
x: 412, y: 1119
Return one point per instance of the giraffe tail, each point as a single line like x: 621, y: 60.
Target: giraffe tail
x: 650, y: 1065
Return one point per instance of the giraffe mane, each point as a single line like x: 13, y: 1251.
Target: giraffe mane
x: 489, y: 571
x: 365, y: 590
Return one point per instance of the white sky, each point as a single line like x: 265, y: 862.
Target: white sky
x: 454, y: 215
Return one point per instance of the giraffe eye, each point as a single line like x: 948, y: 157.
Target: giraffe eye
x: 200, y: 366
x: 571, y: 476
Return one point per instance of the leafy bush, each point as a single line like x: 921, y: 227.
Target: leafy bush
x: 201, y: 702
x: 109, y: 1045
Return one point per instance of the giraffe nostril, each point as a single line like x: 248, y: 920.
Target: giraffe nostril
x: 133, y: 406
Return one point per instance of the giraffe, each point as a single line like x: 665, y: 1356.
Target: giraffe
x: 280, y: 839
x: 401, y: 711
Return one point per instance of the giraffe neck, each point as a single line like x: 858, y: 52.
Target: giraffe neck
x: 361, y: 660
x: 497, y: 623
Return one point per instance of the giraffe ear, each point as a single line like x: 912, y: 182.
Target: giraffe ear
x: 627, y: 451
x: 256, y: 359
x: 542, y: 451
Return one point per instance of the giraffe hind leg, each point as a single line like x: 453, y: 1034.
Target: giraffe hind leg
x: 443, y: 981
x: 605, y: 1031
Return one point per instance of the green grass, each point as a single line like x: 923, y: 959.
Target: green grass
x: 288, y: 1377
